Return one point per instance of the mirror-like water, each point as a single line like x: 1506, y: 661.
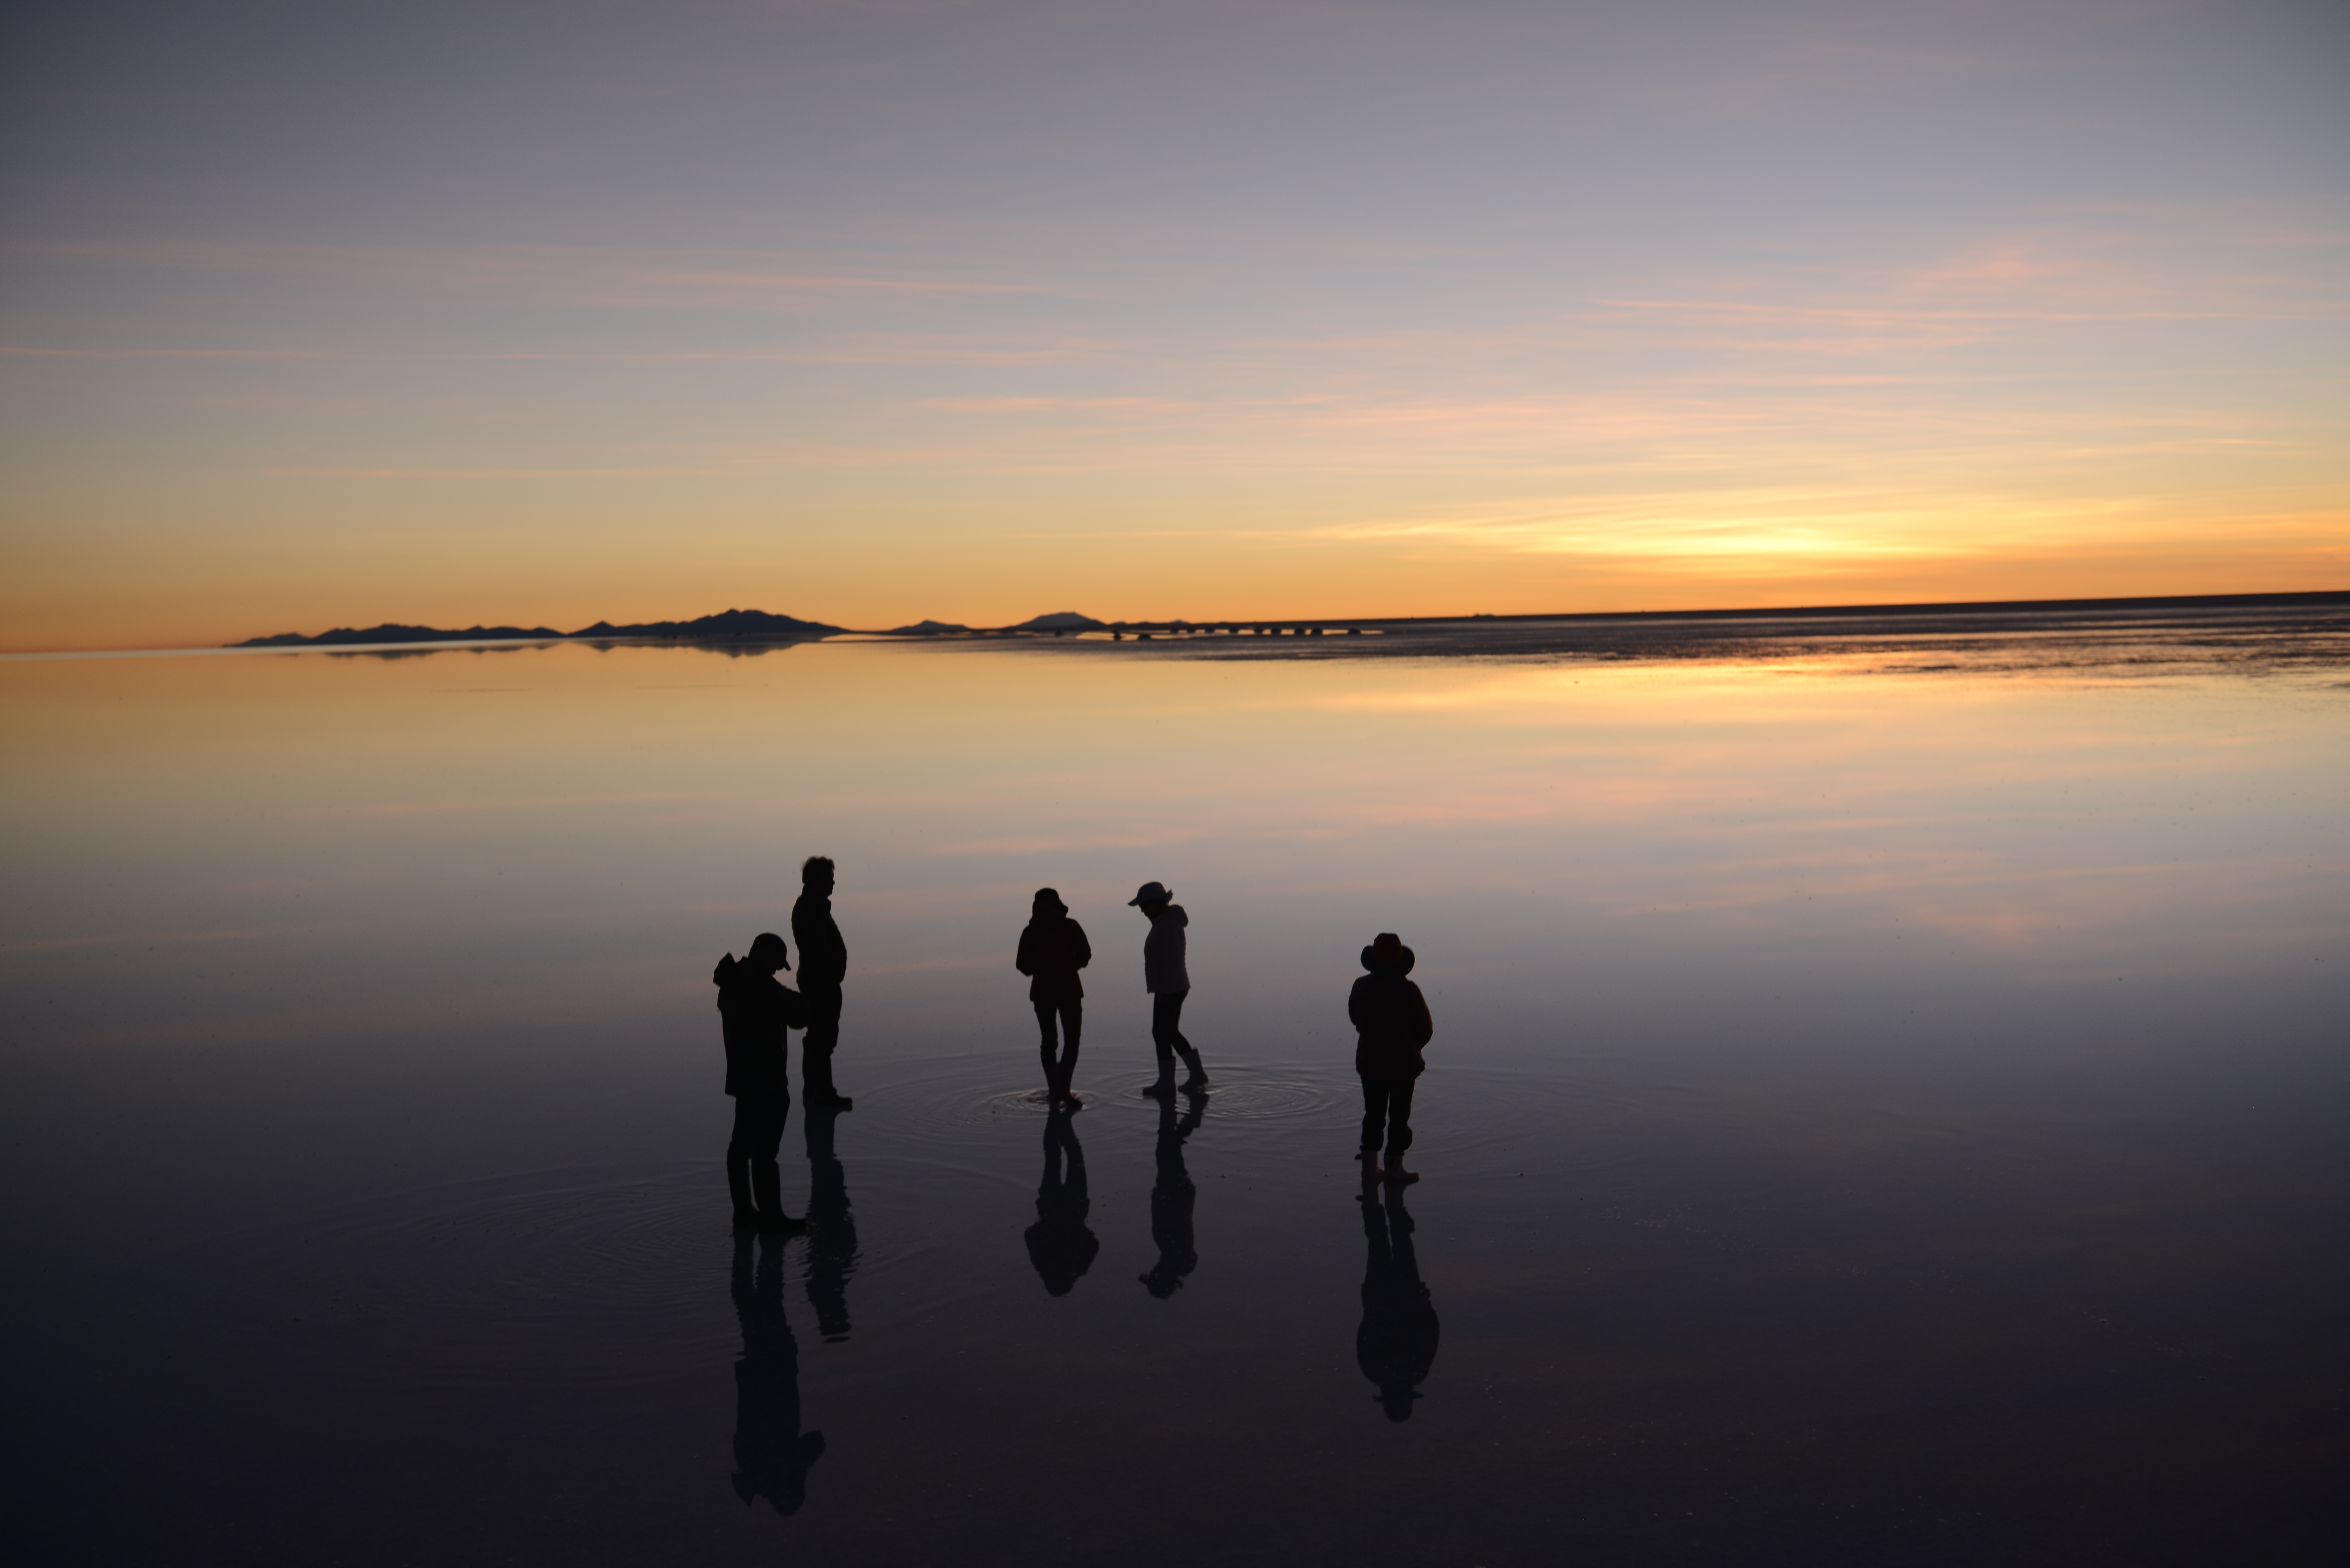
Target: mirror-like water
x: 1887, y: 1105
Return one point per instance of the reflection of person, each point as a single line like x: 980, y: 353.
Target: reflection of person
x: 1169, y: 983
x: 1391, y: 1025
x: 1053, y: 948
x: 823, y: 964
x: 832, y: 1238
x: 771, y: 1455
x: 755, y: 1010
x: 1172, y: 1199
x: 1059, y: 1244
x: 1396, y: 1344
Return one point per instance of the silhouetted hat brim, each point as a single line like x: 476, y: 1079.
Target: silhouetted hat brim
x: 1150, y: 893
x: 1409, y: 958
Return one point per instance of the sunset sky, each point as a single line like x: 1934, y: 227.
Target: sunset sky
x: 330, y: 313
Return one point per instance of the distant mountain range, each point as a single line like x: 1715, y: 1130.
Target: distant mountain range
x: 733, y: 623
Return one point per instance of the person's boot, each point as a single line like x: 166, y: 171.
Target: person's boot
x: 1165, y: 1087
x: 1397, y: 1175
x: 768, y: 1179
x: 1371, y: 1171
x: 738, y: 1184
x: 1199, y: 1078
x: 815, y: 1082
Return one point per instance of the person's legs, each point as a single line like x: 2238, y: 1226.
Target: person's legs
x: 1073, y: 1026
x: 769, y: 1113
x: 1049, y: 1048
x: 1166, y: 1013
x: 738, y: 1162
x: 1167, y: 1039
x: 1374, y: 1112
x: 1400, y: 1094
x: 816, y: 1047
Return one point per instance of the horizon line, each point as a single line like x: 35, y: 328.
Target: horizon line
x: 2279, y: 599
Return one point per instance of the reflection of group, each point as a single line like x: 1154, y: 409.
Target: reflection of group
x: 1396, y: 1342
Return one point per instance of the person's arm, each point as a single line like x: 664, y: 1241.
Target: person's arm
x: 1026, y: 960
x: 1355, y: 1004
x: 1423, y: 1026
x: 1084, y: 949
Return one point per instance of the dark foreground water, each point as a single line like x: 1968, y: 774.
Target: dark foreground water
x: 1889, y: 1104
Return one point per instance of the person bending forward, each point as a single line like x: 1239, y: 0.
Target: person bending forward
x: 755, y: 1010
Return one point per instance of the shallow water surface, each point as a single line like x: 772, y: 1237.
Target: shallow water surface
x: 1888, y: 1102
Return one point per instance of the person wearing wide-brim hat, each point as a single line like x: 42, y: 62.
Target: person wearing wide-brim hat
x: 1169, y: 983
x: 1391, y: 1027
x: 1053, y: 948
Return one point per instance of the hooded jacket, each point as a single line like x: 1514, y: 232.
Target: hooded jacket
x: 1163, y: 953
x: 1391, y: 1025
x: 755, y: 1009
x: 1053, y: 948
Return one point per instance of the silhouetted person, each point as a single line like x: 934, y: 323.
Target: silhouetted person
x: 1058, y: 1243
x: 756, y: 1009
x: 1391, y: 1026
x: 832, y: 1230
x: 823, y: 964
x: 1053, y: 948
x: 771, y: 1455
x: 1169, y: 983
x: 1172, y: 1199
x: 1396, y: 1344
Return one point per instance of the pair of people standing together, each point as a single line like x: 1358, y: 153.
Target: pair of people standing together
x: 1053, y: 949
x: 755, y: 1009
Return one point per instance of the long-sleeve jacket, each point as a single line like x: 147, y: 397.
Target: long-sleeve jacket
x: 1392, y: 1024
x: 1052, y: 950
x: 824, y: 955
x: 1163, y: 953
x: 755, y: 1010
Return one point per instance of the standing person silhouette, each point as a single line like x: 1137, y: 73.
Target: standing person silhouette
x: 755, y: 1010
x: 1169, y: 983
x: 1053, y: 948
x: 823, y: 964
x: 1391, y: 1026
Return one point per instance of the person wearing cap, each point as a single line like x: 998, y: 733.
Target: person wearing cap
x: 1391, y: 1026
x: 756, y: 1010
x: 1053, y: 948
x: 1163, y: 975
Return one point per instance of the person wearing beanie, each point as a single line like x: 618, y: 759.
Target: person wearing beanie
x: 1169, y: 983
x: 1391, y: 1027
x: 755, y: 1010
x: 1053, y: 948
